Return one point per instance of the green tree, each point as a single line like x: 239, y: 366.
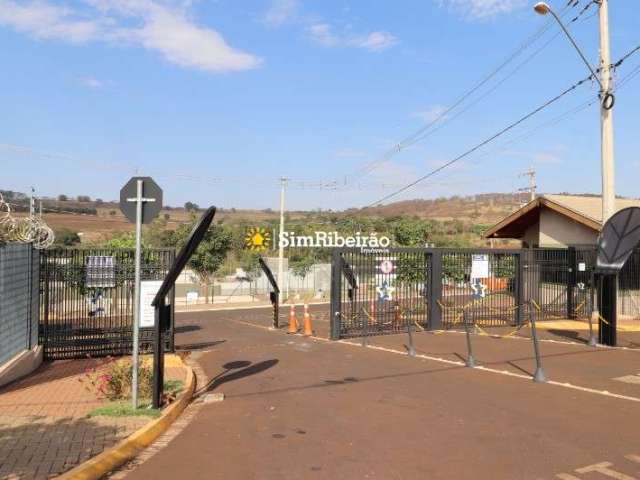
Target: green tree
x: 210, y: 254
x: 411, y: 232
x: 122, y: 240
x: 300, y: 263
x: 191, y: 207
x: 66, y: 237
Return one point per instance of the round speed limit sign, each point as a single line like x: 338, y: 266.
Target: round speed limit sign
x: 386, y: 266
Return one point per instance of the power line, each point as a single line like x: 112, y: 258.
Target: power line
x: 486, y: 141
x: 635, y: 72
x: 423, y: 132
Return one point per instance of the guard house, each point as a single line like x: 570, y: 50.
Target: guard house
x: 556, y: 221
x: 551, y: 223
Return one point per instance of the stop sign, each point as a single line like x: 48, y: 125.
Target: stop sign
x: 151, y: 199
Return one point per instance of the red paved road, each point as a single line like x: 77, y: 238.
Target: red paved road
x: 308, y: 408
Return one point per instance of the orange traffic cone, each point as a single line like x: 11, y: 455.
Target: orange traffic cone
x: 308, y: 331
x: 293, y: 321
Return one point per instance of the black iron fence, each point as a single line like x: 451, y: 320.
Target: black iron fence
x: 87, y: 300
x: 381, y: 291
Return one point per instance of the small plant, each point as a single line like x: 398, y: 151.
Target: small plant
x: 111, y: 379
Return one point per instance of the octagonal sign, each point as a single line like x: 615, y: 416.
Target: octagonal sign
x: 151, y: 199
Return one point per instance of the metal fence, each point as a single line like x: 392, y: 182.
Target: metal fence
x: 18, y: 299
x: 87, y: 300
x: 383, y: 291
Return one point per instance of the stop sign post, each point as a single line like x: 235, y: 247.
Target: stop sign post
x: 140, y: 202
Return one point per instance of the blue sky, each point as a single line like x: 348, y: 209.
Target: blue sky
x: 218, y: 98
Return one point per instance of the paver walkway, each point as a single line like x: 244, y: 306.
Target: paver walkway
x: 44, y: 428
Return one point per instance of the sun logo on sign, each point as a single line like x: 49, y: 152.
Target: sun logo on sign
x: 257, y: 239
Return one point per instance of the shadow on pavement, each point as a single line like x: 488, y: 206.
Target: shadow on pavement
x: 198, y: 345
x: 247, y: 369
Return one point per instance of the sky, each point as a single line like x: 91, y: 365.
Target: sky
x: 218, y: 99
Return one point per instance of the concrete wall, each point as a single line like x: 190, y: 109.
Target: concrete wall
x: 531, y: 236
x: 559, y: 231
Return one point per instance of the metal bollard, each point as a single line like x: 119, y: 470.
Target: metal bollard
x: 539, y: 375
x: 471, y: 361
x: 412, y: 349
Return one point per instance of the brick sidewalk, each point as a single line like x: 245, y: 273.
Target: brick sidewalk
x: 44, y: 428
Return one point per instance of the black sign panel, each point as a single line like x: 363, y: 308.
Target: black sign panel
x: 619, y: 236
x: 150, y: 190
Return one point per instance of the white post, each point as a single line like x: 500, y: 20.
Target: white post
x: 136, y: 308
x: 608, y: 173
x: 281, y: 283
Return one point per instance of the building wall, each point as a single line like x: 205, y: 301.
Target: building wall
x: 559, y: 231
x: 531, y: 236
x: 19, y: 269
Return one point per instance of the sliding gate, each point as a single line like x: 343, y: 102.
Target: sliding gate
x: 376, y: 291
x: 87, y: 300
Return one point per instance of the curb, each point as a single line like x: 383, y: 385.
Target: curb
x: 128, y: 448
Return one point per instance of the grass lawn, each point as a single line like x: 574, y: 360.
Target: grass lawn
x: 123, y: 408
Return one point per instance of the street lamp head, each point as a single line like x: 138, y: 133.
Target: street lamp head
x: 542, y: 8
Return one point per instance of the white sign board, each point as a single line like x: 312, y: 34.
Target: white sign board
x: 582, y: 267
x: 148, y: 291
x: 479, y: 266
x: 192, y: 297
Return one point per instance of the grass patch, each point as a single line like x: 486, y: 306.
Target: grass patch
x: 173, y: 386
x: 123, y: 408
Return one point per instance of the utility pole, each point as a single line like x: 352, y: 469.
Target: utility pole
x: 281, y: 283
x: 606, y: 114
x: 531, y: 173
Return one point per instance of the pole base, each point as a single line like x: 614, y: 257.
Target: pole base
x: 471, y: 362
x: 411, y: 351
x: 365, y: 341
x: 592, y: 341
x: 539, y: 376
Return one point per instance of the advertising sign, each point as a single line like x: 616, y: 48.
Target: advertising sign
x: 148, y: 290
x: 480, y: 266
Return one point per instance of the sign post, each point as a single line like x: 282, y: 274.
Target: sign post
x: 139, y: 209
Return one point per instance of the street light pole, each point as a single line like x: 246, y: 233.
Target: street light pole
x: 281, y: 283
x: 606, y: 115
x: 607, y: 102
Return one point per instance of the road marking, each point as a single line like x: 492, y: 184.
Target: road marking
x: 507, y: 373
x: 604, y: 393
x: 603, y: 468
x: 633, y: 458
x: 629, y: 379
x: 566, y: 476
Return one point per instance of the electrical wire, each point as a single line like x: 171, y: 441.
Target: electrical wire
x: 424, y: 131
x: 485, y: 142
x: 635, y: 72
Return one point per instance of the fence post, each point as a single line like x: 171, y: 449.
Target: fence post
x: 30, y: 283
x: 336, y: 291
x: 435, y: 291
x: 571, y: 281
x: 519, y: 286
x: 608, y: 309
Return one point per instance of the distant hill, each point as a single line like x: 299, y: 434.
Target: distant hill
x: 486, y: 208
x: 97, y: 219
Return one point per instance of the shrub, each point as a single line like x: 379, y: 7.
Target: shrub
x: 112, y: 379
